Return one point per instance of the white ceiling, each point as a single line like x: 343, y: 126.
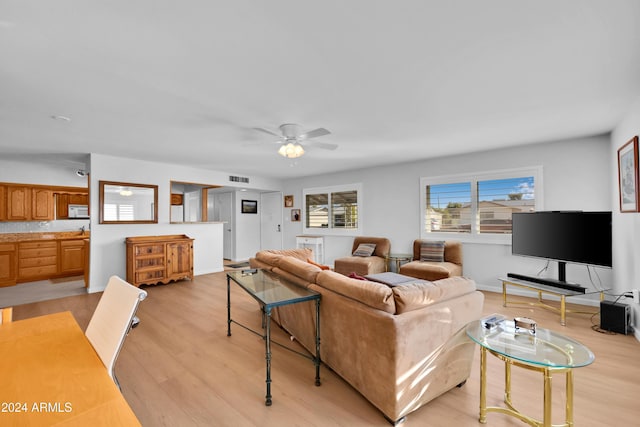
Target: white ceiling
x: 186, y: 81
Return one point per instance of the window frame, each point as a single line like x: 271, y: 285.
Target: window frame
x: 330, y: 231
x: 473, y: 178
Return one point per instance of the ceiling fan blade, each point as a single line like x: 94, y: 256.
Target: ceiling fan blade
x: 267, y: 131
x: 314, y: 133
x: 324, y: 145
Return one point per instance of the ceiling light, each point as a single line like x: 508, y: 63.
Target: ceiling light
x: 291, y: 150
x: 126, y: 193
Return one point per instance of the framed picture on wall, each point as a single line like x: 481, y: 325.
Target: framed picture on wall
x: 288, y: 201
x: 295, y: 215
x: 249, y: 206
x: 628, y: 175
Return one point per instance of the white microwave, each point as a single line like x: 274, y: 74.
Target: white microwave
x: 78, y: 211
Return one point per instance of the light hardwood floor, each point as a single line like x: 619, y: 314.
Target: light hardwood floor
x: 178, y: 368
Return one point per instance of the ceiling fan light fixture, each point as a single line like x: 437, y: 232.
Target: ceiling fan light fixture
x: 291, y: 150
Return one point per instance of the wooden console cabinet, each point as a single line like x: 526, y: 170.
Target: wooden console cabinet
x: 159, y: 259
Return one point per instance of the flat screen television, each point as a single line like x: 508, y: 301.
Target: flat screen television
x: 563, y: 236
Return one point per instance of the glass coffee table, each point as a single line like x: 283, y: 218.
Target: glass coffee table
x: 272, y: 291
x: 545, y: 351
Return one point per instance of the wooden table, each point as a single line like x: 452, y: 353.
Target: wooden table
x: 51, y: 375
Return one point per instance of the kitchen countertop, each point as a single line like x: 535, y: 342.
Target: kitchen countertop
x: 51, y: 235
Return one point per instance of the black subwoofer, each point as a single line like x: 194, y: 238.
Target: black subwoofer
x: 614, y: 317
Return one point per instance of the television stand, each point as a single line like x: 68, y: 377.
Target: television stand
x: 542, y: 288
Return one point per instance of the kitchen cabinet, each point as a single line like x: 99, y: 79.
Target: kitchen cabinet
x: 3, y: 202
x: 159, y: 259
x: 72, y: 256
x: 7, y: 264
x: 41, y: 204
x: 18, y: 203
x: 37, y: 260
x: 176, y: 199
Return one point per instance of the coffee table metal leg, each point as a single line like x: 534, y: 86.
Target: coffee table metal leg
x: 228, y: 307
x: 316, y: 360
x: 268, y: 354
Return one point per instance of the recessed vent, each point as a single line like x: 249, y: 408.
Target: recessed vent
x: 238, y: 179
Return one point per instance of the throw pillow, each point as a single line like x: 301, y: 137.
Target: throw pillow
x: 432, y: 250
x: 322, y: 267
x: 365, y: 249
x: 355, y: 275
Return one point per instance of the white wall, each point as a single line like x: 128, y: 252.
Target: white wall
x: 576, y: 176
x: 626, y: 226
x: 107, y: 240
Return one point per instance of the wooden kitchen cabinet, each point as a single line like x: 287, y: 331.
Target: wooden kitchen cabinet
x: 72, y: 258
x: 159, y: 259
x: 63, y: 200
x: 3, y: 202
x: 176, y: 199
x: 18, y: 203
x: 41, y: 204
x: 37, y: 260
x: 7, y: 264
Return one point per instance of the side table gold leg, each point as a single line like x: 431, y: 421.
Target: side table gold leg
x: 547, y: 398
x: 563, y: 310
x: 507, y: 383
x: 569, y: 408
x: 504, y: 294
x: 483, y: 385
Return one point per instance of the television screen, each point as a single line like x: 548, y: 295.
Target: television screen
x: 576, y: 237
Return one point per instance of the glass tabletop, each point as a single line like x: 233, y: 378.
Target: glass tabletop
x: 546, y: 348
x: 270, y: 289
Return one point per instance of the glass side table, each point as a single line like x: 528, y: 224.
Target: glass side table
x: 398, y: 259
x: 545, y: 351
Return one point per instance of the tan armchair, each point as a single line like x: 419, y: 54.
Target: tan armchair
x: 363, y: 265
x: 433, y: 270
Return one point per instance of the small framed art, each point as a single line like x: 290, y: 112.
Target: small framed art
x: 288, y: 201
x: 295, y: 215
x: 628, y: 175
x: 249, y: 206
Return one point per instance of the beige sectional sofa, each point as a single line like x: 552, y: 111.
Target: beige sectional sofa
x: 400, y: 346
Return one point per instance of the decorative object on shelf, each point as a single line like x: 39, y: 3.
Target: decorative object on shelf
x: 288, y: 201
x: 295, y: 215
x: 628, y: 179
x: 249, y: 206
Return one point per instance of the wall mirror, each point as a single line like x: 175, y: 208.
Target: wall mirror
x: 127, y: 203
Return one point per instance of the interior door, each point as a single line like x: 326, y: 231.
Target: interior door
x: 271, y: 221
x: 223, y: 211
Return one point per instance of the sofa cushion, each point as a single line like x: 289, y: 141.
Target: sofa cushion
x: 432, y: 250
x: 430, y: 270
x: 361, y: 265
x: 419, y: 294
x: 299, y: 268
x: 373, y: 294
x: 365, y: 249
x: 268, y: 257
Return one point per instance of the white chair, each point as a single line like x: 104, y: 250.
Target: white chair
x: 112, y: 320
x: 6, y: 315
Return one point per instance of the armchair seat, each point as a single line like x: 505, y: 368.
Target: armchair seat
x: 364, y: 265
x: 433, y: 270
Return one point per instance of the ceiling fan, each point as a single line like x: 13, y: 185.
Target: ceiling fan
x: 293, y: 141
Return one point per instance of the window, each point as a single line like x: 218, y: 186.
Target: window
x: 479, y: 204
x: 333, y: 210
x: 115, y: 212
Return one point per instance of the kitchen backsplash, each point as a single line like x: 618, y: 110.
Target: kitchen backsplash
x: 38, y: 226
